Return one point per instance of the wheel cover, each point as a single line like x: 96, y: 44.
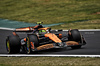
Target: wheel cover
x: 8, y: 46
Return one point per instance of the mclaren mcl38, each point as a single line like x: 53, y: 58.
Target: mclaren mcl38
x: 36, y: 38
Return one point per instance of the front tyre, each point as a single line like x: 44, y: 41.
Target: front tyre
x: 13, y: 44
x: 31, y: 39
x: 74, y: 35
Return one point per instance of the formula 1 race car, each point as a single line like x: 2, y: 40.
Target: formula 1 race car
x: 29, y: 39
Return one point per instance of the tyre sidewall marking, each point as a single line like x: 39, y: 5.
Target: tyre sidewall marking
x: 28, y: 45
x: 8, y: 46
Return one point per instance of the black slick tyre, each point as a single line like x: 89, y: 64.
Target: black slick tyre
x: 75, y: 36
x: 34, y: 39
x: 13, y: 44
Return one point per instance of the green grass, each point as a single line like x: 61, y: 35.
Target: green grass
x: 91, y: 24
x: 48, y: 61
x: 52, y: 11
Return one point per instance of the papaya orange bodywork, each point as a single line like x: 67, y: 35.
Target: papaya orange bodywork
x: 43, y: 28
x: 72, y: 43
x: 53, y: 37
x: 47, y: 46
x: 23, y: 29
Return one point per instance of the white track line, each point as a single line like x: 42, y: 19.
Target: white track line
x: 86, y: 30
x: 6, y: 28
x: 30, y: 55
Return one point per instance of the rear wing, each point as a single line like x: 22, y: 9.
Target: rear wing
x: 26, y: 29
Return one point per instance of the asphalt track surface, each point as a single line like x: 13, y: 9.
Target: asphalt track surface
x: 91, y: 48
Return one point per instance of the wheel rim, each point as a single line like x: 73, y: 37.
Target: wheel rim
x: 8, y: 46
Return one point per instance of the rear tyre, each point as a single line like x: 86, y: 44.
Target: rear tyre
x: 34, y: 39
x: 13, y: 44
x: 75, y: 36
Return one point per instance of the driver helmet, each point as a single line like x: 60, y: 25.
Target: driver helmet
x: 42, y: 31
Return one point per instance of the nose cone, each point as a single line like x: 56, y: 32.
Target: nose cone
x: 53, y: 37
